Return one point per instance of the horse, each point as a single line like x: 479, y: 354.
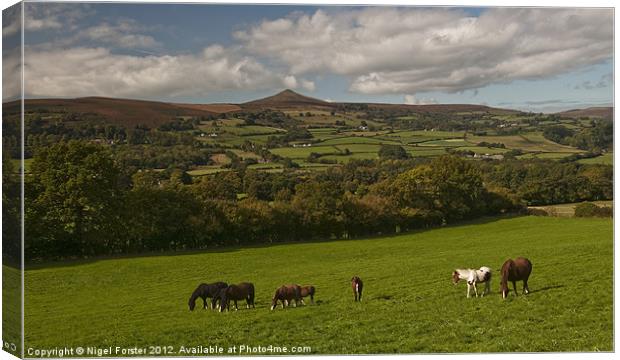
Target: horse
x: 357, y: 285
x: 285, y: 294
x: 519, y: 269
x: 307, y: 290
x: 205, y: 291
x: 482, y: 275
x: 242, y: 291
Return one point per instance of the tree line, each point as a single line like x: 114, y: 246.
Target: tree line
x: 82, y: 201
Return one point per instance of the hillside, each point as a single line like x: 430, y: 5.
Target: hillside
x: 118, y: 111
x: 287, y: 99
x: 444, y: 108
x: 131, y: 112
x: 602, y: 112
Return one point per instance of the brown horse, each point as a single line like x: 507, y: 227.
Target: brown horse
x: 307, y: 290
x: 357, y: 285
x: 515, y: 270
x: 242, y: 291
x: 285, y: 294
x: 205, y: 291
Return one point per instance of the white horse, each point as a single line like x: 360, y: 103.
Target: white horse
x: 473, y: 276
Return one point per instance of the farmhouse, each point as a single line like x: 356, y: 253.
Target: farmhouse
x: 489, y: 156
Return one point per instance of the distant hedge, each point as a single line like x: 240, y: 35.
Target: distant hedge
x: 588, y: 209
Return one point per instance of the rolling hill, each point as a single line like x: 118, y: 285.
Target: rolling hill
x: 131, y: 112
x: 287, y: 99
x: 117, y: 111
x: 602, y: 112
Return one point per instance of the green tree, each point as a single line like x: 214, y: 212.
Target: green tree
x: 73, y: 199
x: 448, y: 184
x: 392, y: 152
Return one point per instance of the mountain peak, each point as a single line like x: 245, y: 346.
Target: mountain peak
x: 288, y: 98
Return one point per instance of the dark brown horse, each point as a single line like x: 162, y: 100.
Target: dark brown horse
x: 205, y: 291
x: 515, y: 270
x: 285, y: 294
x: 307, y: 290
x: 242, y: 291
x: 357, y: 285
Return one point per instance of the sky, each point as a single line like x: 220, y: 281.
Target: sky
x: 533, y: 59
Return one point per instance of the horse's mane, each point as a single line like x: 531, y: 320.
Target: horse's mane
x: 506, y: 270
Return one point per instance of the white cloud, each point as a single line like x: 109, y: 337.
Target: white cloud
x: 97, y: 71
x: 308, y: 85
x: 409, y: 50
x: 413, y: 100
x: 124, y: 33
x: 11, y: 74
x: 290, y: 82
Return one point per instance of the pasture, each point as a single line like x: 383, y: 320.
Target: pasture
x: 409, y: 303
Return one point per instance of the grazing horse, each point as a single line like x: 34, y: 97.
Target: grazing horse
x: 285, y: 294
x: 473, y: 277
x: 357, y: 285
x: 205, y: 291
x: 307, y: 290
x: 242, y: 291
x: 515, y: 270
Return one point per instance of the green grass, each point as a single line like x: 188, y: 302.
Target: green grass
x: 358, y: 140
x: 303, y: 152
x: 605, y: 159
x: 11, y: 308
x: 409, y: 306
x: 207, y: 170
x: 531, y: 141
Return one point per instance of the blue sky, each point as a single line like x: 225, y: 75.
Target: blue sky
x: 532, y: 59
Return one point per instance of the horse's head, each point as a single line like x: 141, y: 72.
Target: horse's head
x: 455, y: 277
x: 503, y: 288
x: 277, y: 296
x: 222, y: 297
x: 192, y: 303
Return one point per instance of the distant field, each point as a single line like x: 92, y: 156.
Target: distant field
x: 605, y: 159
x: 303, y: 152
x: 207, y: 170
x: 358, y: 140
x: 527, y: 142
x: 484, y: 150
x: 409, y: 303
x: 568, y: 210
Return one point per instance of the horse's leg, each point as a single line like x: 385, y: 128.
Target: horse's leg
x: 475, y: 289
x: 311, y: 299
x: 514, y: 285
x: 468, y: 289
x: 526, y: 289
x: 204, y: 303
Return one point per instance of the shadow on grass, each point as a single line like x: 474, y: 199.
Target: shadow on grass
x: 227, y: 249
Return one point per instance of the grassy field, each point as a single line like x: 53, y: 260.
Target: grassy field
x: 409, y: 304
x: 605, y: 159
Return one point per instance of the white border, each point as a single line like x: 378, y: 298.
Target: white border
x: 469, y: 3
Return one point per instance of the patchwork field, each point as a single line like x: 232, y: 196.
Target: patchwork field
x: 409, y: 304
